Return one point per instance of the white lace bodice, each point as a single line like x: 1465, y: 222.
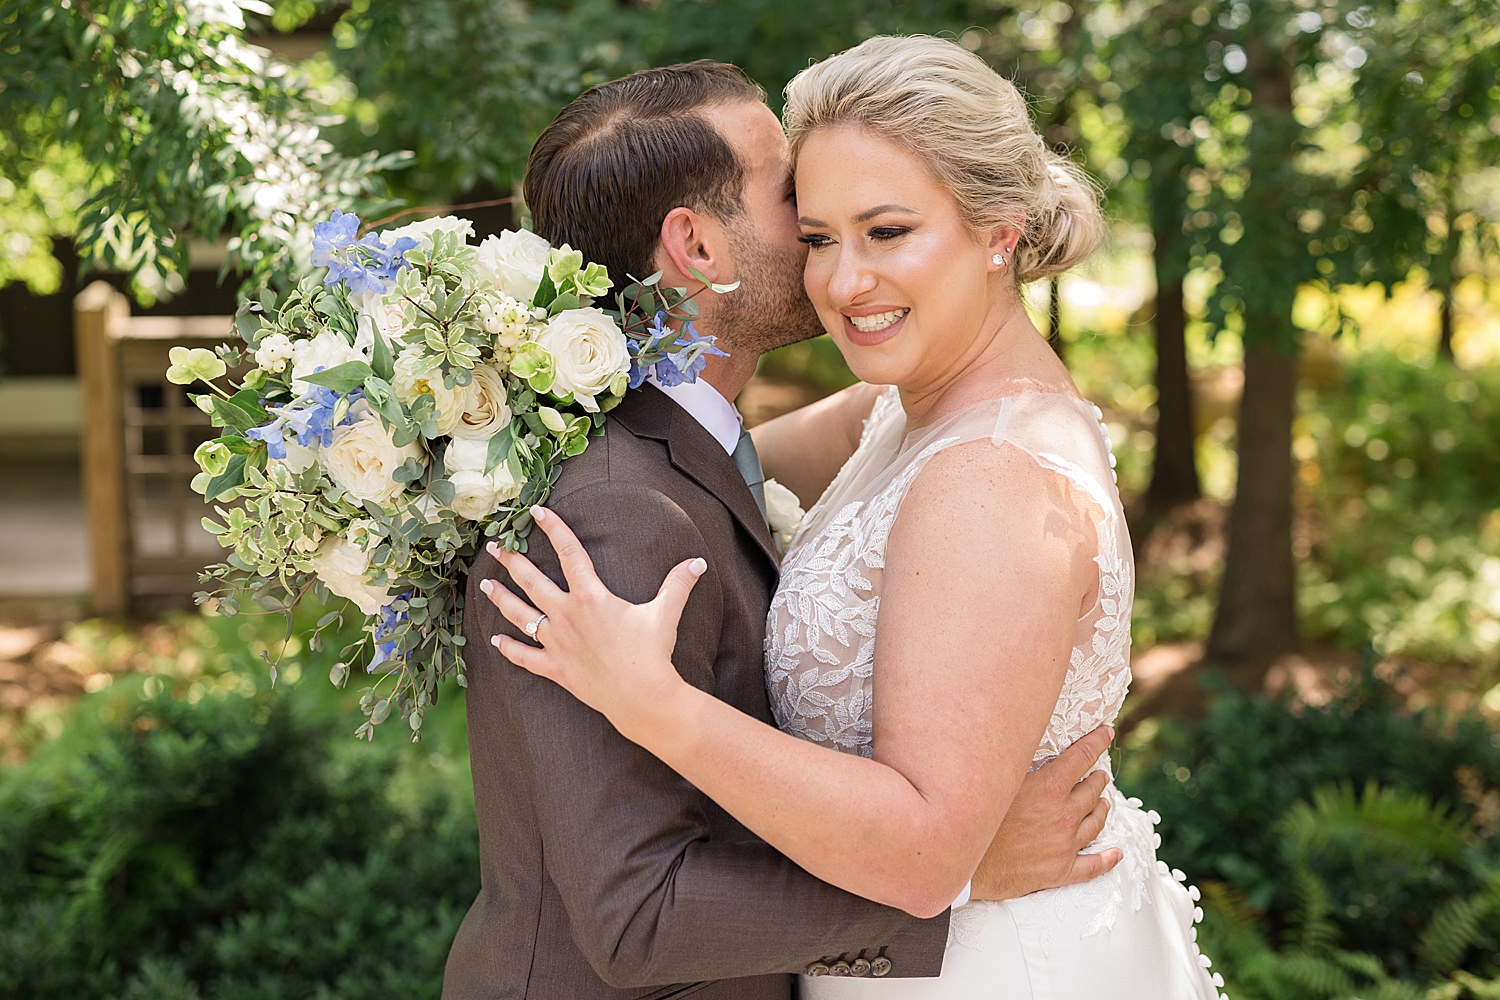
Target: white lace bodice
x: 820, y: 633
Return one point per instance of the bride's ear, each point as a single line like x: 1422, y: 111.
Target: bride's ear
x: 691, y: 241
x: 1002, y: 246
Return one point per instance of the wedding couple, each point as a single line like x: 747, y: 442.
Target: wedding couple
x: 872, y: 763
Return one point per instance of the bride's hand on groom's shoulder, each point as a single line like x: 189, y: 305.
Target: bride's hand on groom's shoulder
x: 1056, y: 814
x: 610, y: 654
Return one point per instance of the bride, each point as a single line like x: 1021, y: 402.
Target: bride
x: 955, y: 609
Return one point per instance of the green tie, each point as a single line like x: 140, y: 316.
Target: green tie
x: 747, y: 460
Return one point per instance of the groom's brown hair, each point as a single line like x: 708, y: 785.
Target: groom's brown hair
x: 607, y: 170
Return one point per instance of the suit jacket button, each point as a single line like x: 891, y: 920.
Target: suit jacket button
x: 880, y: 966
x: 818, y: 969
x: 840, y: 968
x: 860, y: 966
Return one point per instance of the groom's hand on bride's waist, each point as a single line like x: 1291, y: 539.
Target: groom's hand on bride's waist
x: 1056, y: 814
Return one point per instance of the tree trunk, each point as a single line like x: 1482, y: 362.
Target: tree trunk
x: 1174, y: 472
x: 1257, y: 615
x: 1054, y: 318
x: 1445, y: 337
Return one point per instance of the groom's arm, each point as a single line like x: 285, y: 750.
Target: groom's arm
x: 650, y: 896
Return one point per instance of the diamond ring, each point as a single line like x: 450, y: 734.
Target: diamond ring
x: 531, y: 627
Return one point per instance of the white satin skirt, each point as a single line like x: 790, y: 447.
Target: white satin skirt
x: 1127, y: 935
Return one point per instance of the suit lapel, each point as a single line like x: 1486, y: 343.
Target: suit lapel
x: 647, y: 412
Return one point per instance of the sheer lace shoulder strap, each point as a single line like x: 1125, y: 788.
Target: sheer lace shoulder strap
x: 1062, y: 433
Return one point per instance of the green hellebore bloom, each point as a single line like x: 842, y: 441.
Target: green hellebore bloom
x: 563, y: 263
x: 191, y: 364
x: 533, y: 363
x: 593, y: 281
x: 212, y: 457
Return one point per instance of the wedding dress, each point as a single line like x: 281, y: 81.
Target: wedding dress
x: 1128, y: 934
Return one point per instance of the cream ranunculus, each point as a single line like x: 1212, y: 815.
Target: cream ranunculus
x: 785, y: 513
x: 487, y: 413
x: 514, y: 262
x: 477, y: 495
x: 422, y: 231
x: 326, y: 350
x: 362, y: 458
x: 341, y: 565
x: 588, y: 350
x: 410, y: 381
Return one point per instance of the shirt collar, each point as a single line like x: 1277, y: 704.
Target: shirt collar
x: 706, y: 405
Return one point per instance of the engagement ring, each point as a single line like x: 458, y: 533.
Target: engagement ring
x: 531, y: 627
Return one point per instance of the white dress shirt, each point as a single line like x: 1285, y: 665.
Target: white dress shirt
x: 708, y: 406
x: 718, y: 416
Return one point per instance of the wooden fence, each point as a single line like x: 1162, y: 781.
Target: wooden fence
x: 139, y: 431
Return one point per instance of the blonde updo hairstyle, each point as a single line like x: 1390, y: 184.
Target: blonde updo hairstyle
x: 970, y: 126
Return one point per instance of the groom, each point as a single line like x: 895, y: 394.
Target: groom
x: 605, y: 874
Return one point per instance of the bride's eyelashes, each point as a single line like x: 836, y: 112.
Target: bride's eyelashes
x: 880, y: 234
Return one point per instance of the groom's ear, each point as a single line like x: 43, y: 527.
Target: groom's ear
x: 691, y: 241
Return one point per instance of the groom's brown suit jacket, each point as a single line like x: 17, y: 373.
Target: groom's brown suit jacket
x: 605, y: 874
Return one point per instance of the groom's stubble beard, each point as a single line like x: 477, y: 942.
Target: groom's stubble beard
x: 770, y: 309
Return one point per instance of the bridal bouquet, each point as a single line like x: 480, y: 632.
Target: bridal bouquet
x: 411, y: 399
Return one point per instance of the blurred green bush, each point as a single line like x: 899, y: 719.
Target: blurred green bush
x: 199, y: 834
x: 1356, y: 816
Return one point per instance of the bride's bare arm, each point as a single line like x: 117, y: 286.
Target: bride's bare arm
x: 803, y: 450
x: 987, y: 571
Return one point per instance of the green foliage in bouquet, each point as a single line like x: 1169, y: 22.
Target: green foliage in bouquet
x: 416, y: 399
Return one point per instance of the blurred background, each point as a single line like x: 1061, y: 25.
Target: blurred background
x: 1294, y: 334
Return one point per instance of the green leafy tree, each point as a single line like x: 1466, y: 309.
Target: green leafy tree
x: 1427, y: 114
x: 185, y: 129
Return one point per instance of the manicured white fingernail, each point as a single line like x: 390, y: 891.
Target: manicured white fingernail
x: 495, y: 641
x: 698, y: 566
x: 538, y: 513
x: 493, y: 548
x: 487, y: 585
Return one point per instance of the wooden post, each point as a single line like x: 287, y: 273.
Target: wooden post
x: 98, y: 313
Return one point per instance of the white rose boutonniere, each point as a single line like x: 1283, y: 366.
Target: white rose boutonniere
x: 363, y: 460
x: 784, y: 512
x: 341, y: 565
x: 588, y: 351
x: 514, y: 262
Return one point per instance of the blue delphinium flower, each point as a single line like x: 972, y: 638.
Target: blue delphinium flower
x: 365, y: 265
x: 685, y: 364
x: 309, y: 419
x: 385, y: 638
x: 271, y: 434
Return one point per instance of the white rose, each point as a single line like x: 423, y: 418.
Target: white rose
x: 298, y: 458
x: 487, y: 413
x: 362, y: 459
x: 475, y: 494
x: 410, y: 381
x: 513, y: 262
x: 326, y: 350
x: 341, y: 565
x: 373, y: 313
x: 588, y: 350
x: 273, y: 353
x: 784, y: 512
x: 422, y: 231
